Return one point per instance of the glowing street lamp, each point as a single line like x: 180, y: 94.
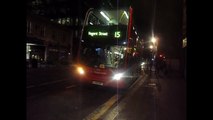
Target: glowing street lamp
x: 153, y: 40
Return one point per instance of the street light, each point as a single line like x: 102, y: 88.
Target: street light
x: 154, y: 45
x: 153, y: 40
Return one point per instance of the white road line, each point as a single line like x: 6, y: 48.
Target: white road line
x: 47, y: 83
x: 71, y: 86
x: 152, y: 84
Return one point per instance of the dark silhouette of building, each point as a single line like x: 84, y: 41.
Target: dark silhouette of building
x: 54, y: 26
x: 47, y: 41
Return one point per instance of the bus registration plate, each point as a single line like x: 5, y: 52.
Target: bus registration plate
x: 97, y: 83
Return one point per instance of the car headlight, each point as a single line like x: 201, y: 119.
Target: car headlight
x: 118, y: 76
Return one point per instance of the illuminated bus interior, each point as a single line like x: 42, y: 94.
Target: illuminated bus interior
x: 108, y: 17
x: 104, y: 39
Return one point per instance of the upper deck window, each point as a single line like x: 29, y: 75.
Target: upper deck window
x: 108, y: 17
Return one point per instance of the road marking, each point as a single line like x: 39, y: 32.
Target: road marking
x: 71, y: 86
x: 117, y: 109
x: 47, y: 83
x: 101, y: 110
x: 95, y: 115
x: 135, y: 82
x: 152, y: 84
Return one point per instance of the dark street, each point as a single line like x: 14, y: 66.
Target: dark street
x: 148, y: 98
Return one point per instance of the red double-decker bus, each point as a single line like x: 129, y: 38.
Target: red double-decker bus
x: 107, y: 54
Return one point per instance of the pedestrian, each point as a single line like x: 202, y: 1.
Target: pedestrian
x: 150, y: 65
x: 164, y: 66
x: 157, y: 66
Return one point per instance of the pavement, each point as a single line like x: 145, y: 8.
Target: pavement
x: 158, y: 98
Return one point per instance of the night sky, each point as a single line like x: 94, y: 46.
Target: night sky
x: 165, y: 19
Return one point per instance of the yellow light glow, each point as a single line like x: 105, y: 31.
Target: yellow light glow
x: 80, y: 70
x: 153, y: 40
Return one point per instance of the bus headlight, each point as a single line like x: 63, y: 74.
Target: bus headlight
x: 80, y: 70
x: 117, y: 76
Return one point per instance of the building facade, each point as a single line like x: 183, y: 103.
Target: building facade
x: 47, y: 41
